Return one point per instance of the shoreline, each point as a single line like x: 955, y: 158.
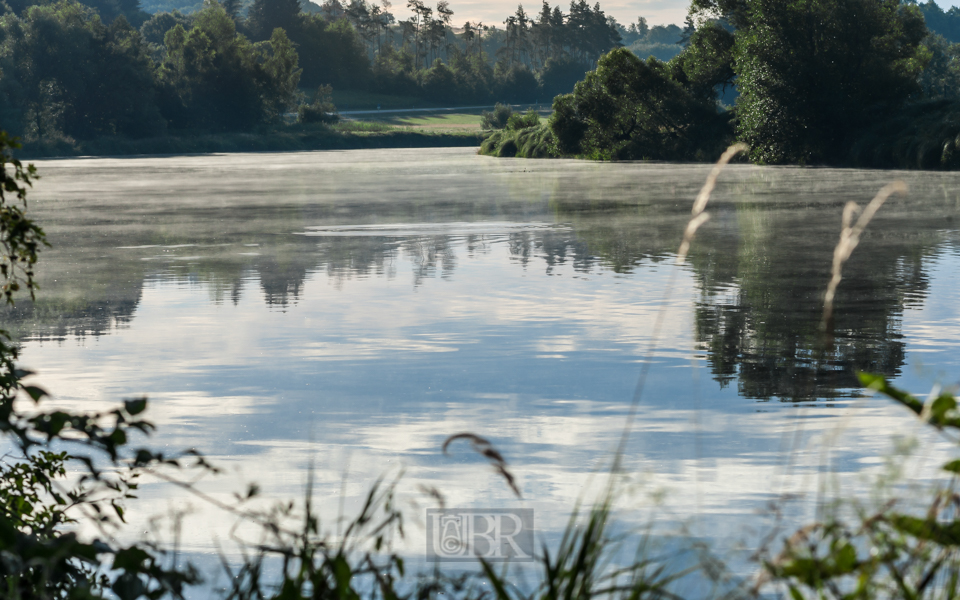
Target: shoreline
x: 276, y: 141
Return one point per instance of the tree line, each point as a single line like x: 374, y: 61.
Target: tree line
x: 70, y: 70
x: 846, y: 72
x: 860, y: 82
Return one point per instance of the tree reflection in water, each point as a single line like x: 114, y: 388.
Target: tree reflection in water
x: 760, y: 265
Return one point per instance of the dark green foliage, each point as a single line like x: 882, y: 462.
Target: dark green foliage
x: 592, y: 31
x: 440, y: 83
x: 160, y: 6
x: 108, y: 10
x: 664, y: 34
x: 266, y: 15
x: 67, y: 74
x: 203, y: 75
x: 281, y: 75
x: 159, y: 24
x: 707, y: 62
x: 516, y: 83
x: 321, y: 109
x: 474, y: 76
x: 811, y: 74
x: 529, y: 119
x: 215, y: 79
x: 64, y: 76
x: 497, y: 118
x: 925, y: 135
x: 559, y: 75
x: 393, y: 72
x: 631, y: 109
x: 330, y: 53
x: 941, y: 78
x: 660, y: 41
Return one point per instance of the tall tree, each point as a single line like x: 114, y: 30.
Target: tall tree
x: 418, y: 25
x: 266, y: 15
x: 812, y: 73
x: 63, y: 72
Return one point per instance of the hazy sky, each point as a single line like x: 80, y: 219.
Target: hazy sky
x: 490, y: 12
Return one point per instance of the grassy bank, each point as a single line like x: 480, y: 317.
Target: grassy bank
x: 529, y: 142
x: 345, y: 136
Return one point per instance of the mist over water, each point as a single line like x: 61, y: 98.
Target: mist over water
x: 353, y: 309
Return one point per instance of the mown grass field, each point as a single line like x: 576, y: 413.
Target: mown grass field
x: 457, y: 119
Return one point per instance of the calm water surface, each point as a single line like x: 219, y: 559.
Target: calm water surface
x: 353, y: 309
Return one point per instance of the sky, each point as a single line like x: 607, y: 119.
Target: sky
x: 657, y: 12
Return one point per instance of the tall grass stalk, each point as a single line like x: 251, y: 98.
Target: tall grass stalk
x: 698, y: 218
x: 849, y: 238
x: 583, y: 564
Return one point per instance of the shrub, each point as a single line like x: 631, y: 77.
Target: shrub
x: 497, y: 119
x: 321, y: 110
x: 530, y: 119
x: 528, y: 142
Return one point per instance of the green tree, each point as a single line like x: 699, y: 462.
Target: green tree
x: 515, y: 83
x: 107, y: 9
x: 632, y: 109
x: 159, y: 24
x: 812, y: 73
x: 281, y: 74
x: 440, y: 82
x: 941, y: 78
x: 330, y: 53
x: 706, y: 63
x: 559, y: 75
x: 266, y: 15
x: 216, y: 79
x: 65, y: 73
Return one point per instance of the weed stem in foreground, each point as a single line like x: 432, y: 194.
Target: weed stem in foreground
x: 849, y: 238
x: 699, y: 218
x: 700, y: 204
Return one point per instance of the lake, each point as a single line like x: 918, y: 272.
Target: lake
x: 348, y: 311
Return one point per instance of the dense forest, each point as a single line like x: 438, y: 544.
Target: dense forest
x: 871, y: 82
x: 856, y: 82
x: 80, y: 71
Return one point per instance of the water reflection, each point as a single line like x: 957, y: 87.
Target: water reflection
x: 759, y: 266
x: 358, y: 307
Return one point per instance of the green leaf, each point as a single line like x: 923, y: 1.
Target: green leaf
x: 34, y: 392
x: 846, y: 559
x: 130, y: 559
x: 135, y: 406
x: 945, y: 534
x: 498, y: 584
